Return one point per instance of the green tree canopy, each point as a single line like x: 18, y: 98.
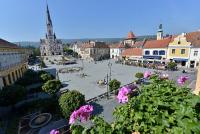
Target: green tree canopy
x: 114, y: 85
x: 10, y: 95
x: 45, y: 77
x: 71, y: 101
x: 51, y: 87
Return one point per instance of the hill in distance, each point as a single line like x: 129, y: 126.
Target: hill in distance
x: 70, y: 41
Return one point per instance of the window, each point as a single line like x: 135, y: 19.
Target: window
x: 182, y: 51
x: 155, y: 52
x: 179, y: 42
x: 195, y: 53
x: 147, y: 52
x: 173, y: 51
x: 161, y: 52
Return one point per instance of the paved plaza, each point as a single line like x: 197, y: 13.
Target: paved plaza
x: 98, y: 71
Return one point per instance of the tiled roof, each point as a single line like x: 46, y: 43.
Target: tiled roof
x: 132, y: 52
x: 194, y: 38
x: 6, y: 44
x: 131, y: 35
x: 119, y: 45
x: 158, y: 43
x: 138, y: 44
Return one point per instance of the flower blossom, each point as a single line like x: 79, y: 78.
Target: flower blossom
x: 123, y: 93
x: 147, y: 74
x: 83, y: 113
x: 181, y: 80
x: 54, y: 131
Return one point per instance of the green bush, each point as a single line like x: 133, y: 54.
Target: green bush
x: 42, y: 64
x: 171, y: 65
x: 71, y: 101
x: 28, y: 78
x: 10, y: 95
x: 139, y: 75
x: 45, y: 77
x: 51, y: 87
x: 161, y: 108
x: 114, y: 85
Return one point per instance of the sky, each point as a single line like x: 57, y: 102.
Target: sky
x: 25, y: 20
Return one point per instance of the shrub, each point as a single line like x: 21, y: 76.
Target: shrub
x: 71, y: 101
x: 139, y: 75
x: 45, y: 77
x: 51, y: 87
x: 28, y: 78
x: 42, y: 64
x: 10, y: 95
x: 114, y: 85
x: 171, y: 65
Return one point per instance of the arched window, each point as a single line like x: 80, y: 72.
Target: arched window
x: 161, y: 52
x: 155, y: 52
x: 147, y: 52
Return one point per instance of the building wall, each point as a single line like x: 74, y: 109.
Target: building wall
x: 179, y: 43
x: 116, y: 52
x: 12, y: 66
x: 194, y: 57
x: 155, y: 49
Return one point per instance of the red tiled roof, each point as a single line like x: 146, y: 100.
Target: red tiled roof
x: 138, y: 44
x: 158, y: 43
x: 194, y: 38
x: 132, y: 52
x: 131, y: 35
x: 6, y: 44
x: 117, y: 46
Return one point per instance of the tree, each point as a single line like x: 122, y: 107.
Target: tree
x: 171, y: 65
x: 71, y: 101
x: 114, y: 85
x: 45, y: 77
x: 10, y: 95
x: 42, y: 64
x: 51, y: 87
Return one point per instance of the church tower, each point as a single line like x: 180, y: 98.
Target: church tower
x: 160, y: 33
x: 50, y: 45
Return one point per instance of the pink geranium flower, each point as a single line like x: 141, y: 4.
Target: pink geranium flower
x: 147, y: 74
x: 123, y: 93
x: 54, y: 132
x: 182, y: 79
x: 83, y: 113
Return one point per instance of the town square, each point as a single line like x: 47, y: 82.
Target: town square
x: 99, y: 67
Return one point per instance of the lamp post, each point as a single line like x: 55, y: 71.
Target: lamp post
x: 107, y: 86
x: 110, y: 65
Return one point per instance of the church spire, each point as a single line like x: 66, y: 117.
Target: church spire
x: 49, y: 22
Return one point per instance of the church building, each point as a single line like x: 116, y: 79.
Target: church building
x: 50, y: 45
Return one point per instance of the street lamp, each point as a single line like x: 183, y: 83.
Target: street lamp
x: 110, y: 65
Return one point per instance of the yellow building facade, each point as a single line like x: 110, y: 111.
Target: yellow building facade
x: 13, y: 63
x: 179, y: 50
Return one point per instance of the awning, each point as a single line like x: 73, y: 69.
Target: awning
x: 179, y: 59
x: 152, y: 57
